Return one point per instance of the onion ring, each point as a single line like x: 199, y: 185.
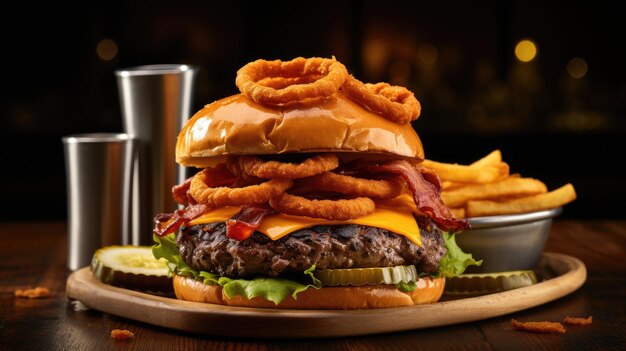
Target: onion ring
x: 345, y: 184
x: 333, y: 210
x: 225, y: 196
x: 395, y: 103
x: 243, y: 179
x: 232, y: 164
x: 317, y: 164
x: 283, y: 82
x: 332, y: 72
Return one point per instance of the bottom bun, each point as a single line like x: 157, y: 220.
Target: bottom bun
x: 428, y: 290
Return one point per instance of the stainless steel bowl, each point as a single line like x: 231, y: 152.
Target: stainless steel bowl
x: 507, y: 242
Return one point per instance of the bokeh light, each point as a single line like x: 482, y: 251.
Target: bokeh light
x: 106, y: 49
x: 525, y: 50
x: 577, y: 68
x: 428, y: 54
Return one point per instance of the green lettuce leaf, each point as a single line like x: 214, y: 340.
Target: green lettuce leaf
x: 455, y: 260
x: 272, y: 289
x: 166, y: 248
x: 406, y: 287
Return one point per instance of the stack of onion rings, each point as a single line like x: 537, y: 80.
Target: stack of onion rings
x: 253, y: 181
x: 303, y: 79
x: 306, y: 78
x: 395, y: 103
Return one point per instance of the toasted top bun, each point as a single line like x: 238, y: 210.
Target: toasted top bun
x: 428, y: 290
x: 238, y: 126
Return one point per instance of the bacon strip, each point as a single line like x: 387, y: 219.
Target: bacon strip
x: 218, y: 176
x: 246, y: 221
x: 243, y: 224
x: 240, y: 226
x: 166, y: 223
x: 425, y: 194
x: 431, y: 176
x: 179, y: 192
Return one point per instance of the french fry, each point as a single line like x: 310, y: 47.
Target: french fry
x: 458, y: 212
x: 504, y: 170
x: 446, y: 184
x: 553, y: 199
x: 493, y: 158
x: 468, y: 174
x: 486, y: 188
x: 508, y: 187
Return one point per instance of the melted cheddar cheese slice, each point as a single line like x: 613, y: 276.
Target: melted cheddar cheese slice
x: 394, y: 215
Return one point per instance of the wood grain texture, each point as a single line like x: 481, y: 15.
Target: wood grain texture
x: 33, y: 254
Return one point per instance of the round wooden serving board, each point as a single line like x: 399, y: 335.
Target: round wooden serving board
x: 267, y: 323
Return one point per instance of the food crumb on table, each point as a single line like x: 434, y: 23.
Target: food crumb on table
x: 122, y: 334
x: 578, y: 320
x: 538, y: 327
x: 35, y: 293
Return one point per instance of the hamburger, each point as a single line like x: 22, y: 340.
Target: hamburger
x: 309, y: 195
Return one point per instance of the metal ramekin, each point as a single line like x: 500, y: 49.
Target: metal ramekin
x: 507, y: 242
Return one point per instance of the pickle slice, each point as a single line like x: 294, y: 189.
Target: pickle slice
x: 488, y: 283
x: 132, y: 267
x: 367, y: 276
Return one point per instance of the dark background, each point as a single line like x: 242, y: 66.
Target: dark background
x: 458, y: 58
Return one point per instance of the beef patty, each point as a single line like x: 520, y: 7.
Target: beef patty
x: 206, y: 247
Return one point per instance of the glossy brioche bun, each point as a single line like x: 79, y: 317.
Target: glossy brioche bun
x: 428, y: 290
x: 238, y: 126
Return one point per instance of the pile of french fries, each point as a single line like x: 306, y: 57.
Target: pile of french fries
x: 486, y: 188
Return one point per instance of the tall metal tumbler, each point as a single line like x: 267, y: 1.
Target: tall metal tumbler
x: 98, y: 173
x: 156, y: 101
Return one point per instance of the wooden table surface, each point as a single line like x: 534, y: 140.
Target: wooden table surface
x: 33, y: 254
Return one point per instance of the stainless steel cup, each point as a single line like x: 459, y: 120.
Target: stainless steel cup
x: 156, y: 101
x: 98, y: 174
x: 507, y: 242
